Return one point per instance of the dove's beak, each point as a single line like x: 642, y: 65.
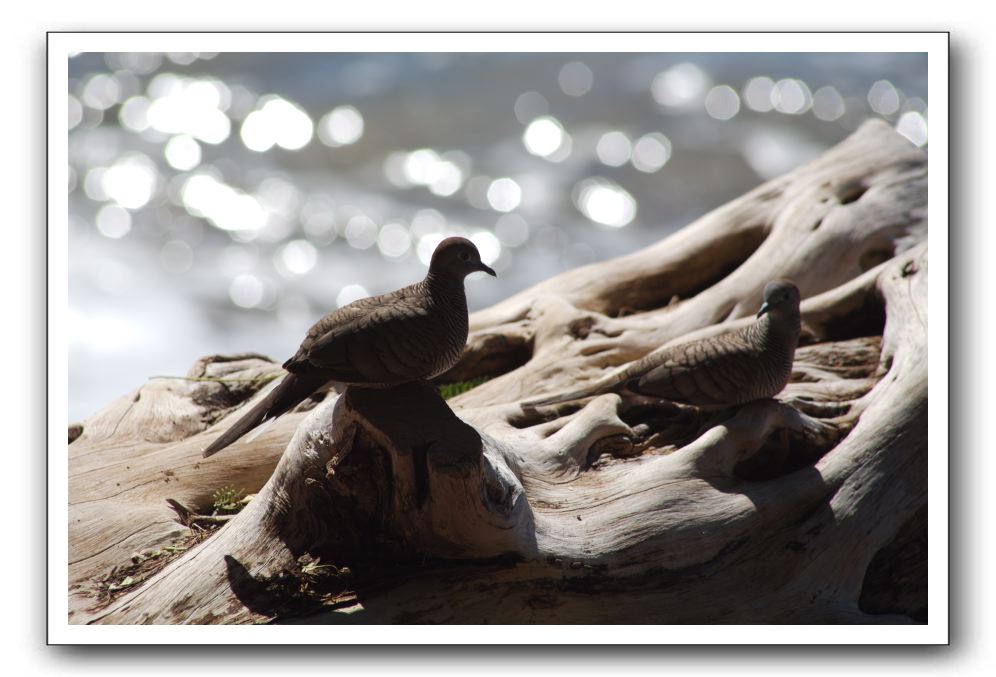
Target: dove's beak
x: 486, y: 269
x: 764, y: 308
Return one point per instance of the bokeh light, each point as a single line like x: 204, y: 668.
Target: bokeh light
x: 394, y: 240
x: 757, y: 93
x: 425, y: 167
x: 682, y: 86
x: 181, y: 105
x: 75, y: 111
x: 575, y: 79
x: 297, y: 257
x: 651, y: 152
x: 427, y: 245
x: 883, y: 98
x: 342, y: 126
x: 319, y: 226
x: 277, y: 122
x: 545, y: 136
x: 246, y: 291
x: 350, y: 293
x: 614, y: 149
x: 477, y: 192
x: 93, y: 184
x: 488, y: 245
x: 333, y: 188
x: 236, y: 259
x: 828, y: 104
x: 131, y: 181
x: 605, y: 202
x: 529, y: 106
x: 361, y: 232
x: 913, y: 126
x: 102, y: 91
x: 504, y: 194
x: 791, y: 96
x: 113, y: 221
x: 226, y: 207
x: 134, y: 114
x: 512, y: 230
x: 722, y: 102
x: 139, y: 63
x: 182, y: 152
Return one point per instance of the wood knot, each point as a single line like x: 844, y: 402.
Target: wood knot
x: 581, y: 327
x: 619, y: 446
x: 874, y: 257
x: 850, y: 191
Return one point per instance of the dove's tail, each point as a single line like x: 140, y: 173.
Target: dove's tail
x: 292, y: 390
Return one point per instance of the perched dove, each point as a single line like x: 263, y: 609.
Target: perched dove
x: 746, y: 364
x: 411, y: 334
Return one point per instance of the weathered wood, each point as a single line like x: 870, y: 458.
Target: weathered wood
x: 609, y: 510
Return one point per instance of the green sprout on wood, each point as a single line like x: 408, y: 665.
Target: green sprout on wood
x: 227, y: 500
x: 449, y: 390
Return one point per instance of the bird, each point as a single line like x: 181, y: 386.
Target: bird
x: 750, y: 363
x: 414, y: 333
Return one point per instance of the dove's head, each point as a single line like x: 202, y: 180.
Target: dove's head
x: 455, y: 258
x: 781, y: 299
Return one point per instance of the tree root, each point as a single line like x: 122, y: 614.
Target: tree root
x: 611, y: 509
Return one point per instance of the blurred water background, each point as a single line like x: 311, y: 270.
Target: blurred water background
x: 221, y: 203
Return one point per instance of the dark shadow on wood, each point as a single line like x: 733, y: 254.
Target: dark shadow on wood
x: 415, y: 416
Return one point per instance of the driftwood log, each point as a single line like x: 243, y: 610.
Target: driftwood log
x: 395, y: 506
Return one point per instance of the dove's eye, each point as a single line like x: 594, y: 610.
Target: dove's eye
x: 464, y: 256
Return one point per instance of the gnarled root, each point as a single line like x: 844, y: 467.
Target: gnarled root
x: 610, y: 509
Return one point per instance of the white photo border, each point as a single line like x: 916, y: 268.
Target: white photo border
x: 934, y: 44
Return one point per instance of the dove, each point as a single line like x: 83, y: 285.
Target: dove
x: 753, y: 362
x: 412, y: 334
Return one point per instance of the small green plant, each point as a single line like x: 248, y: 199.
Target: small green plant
x: 127, y: 582
x: 162, y: 552
x: 449, y: 390
x: 315, y: 568
x: 227, y: 500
